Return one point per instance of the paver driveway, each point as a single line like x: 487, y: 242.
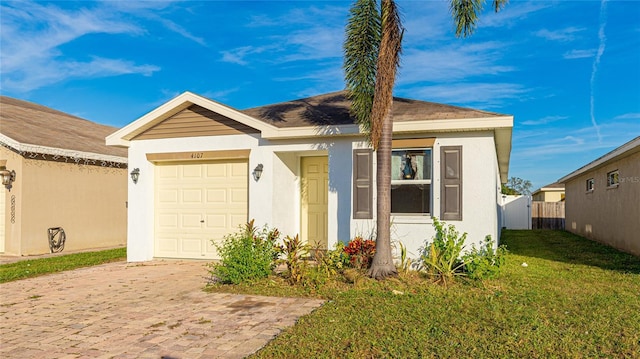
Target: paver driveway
x: 131, y: 310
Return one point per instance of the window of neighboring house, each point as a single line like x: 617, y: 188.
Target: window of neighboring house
x: 612, y: 179
x: 590, y: 183
x: 411, y: 181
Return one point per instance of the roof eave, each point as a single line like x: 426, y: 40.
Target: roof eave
x: 626, y: 149
x: 52, y: 151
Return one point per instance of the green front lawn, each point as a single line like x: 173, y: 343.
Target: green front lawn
x: 36, y: 267
x: 574, y: 299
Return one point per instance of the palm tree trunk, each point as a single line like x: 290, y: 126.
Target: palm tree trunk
x: 382, y: 265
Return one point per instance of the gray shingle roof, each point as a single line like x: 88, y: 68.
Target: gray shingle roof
x: 333, y: 109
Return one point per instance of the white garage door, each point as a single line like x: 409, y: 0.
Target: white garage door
x: 196, y: 203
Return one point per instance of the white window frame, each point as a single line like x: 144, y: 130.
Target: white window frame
x: 417, y: 181
x: 591, y: 187
x: 613, y: 179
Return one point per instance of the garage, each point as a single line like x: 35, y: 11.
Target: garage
x: 197, y: 202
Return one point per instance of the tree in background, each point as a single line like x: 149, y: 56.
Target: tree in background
x: 517, y: 186
x: 371, y: 58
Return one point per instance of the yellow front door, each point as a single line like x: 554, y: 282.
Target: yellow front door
x: 315, y: 178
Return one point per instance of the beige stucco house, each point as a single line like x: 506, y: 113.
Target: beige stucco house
x: 304, y: 167
x: 603, y: 198
x: 58, y: 172
x: 553, y: 192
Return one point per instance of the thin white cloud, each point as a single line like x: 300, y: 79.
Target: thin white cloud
x: 628, y: 116
x: 513, y: 13
x: 578, y: 54
x: 481, y: 95
x: 181, y: 31
x: 543, y: 121
x: 43, y: 74
x: 309, y: 16
x: 221, y: 95
x: 596, y: 63
x: 238, y: 55
x: 33, y: 36
x: 561, y: 35
x: 452, y: 63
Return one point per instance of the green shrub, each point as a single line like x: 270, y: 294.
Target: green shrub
x: 246, y: 255
x: 405, y: 263
x: 333, y: 261
x: 484, y: 262
x: 294, y: 252
x: 441, y: 258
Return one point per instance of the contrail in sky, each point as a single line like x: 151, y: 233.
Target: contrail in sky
x: 596, y: 62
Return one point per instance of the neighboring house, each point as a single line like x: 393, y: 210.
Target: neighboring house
x: 550, y: 193
x: 63, y: 176
x: 304, y: 167
x: 603, y: 198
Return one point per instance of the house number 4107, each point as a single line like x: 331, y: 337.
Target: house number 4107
x: 196, y: 155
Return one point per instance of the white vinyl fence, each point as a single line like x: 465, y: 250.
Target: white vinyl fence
x: 516, y: 212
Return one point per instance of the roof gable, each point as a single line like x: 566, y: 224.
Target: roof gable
x: 195, y: 121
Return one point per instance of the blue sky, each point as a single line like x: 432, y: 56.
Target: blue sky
x: 569, y: 71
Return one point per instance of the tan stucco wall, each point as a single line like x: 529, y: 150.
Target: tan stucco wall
x: 607, y: 215
x: 12, y: 231
x: 549, y: 196
x: 89, y: 202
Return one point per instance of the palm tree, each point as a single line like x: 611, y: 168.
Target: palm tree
x: 372, y: 51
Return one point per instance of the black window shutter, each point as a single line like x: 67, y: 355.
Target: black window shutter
x: 451, y: 183
x: 362, y: 184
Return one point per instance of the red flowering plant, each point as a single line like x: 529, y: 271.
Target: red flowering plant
x: 360, y: 252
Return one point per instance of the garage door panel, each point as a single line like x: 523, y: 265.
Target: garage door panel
x: 217, y: 170
x: 238, y: 170
x: 167, y: 172
x: 190, y: 220
x: 217, y: 221
x: 168, y: 196
x: 192, y: 195
x: 167, y: 221
x: 238, y: 196
x: 191, y: 247
x: 166, y: 245
x: 216, y: 196
x: 198, y: 203
x: 237, y: 220
x: 192, y: 172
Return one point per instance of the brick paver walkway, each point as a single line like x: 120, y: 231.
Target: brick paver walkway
x: 132, y: 310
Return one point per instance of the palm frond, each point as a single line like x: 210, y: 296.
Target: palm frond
x: 361, y: 46
x: 499, y: 4
x: 465, y: 14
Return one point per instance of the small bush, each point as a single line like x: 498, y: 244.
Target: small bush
x: 360, y: 252
x: 333, y: 261
x: 405, y: 263
x: 246, y: 255
x: 484, y: 262
x: 294, y: 251
x: 441, y: 258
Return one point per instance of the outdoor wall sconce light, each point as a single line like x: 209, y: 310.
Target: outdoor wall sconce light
x: 135, y: 175
x: 257, y: 172
x: 7, y: 176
